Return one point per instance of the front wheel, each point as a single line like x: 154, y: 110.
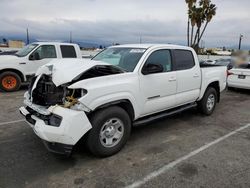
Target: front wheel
x: 208, y: 102
x: 10, y: 81
x: 110, y: 131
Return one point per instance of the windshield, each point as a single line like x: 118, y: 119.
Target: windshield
x: 26, y: 50
x: 124, y: 58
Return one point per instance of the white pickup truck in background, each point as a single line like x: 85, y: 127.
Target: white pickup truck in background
x: 121, y: 86
x: 21, y: 66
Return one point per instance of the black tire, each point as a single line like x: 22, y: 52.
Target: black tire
x: 98, y: 120
x: 202, y: 104
x: 12, y: 86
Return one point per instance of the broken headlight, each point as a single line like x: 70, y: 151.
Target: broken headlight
x: 80, y: 107
x: 71, y: 100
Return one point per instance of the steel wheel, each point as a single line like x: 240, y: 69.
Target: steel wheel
x: 9, y: 82
x: 210, y: 102
x: 111, y: 132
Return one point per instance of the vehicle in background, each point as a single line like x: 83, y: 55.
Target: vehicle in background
x: 209, y: 61
x: 225, y: 62
x: 12, y: 52
x: 18, y: 68
x: 121, y: 86
x: 239, y: 77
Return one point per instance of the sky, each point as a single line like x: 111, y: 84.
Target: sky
x: 121, y: 21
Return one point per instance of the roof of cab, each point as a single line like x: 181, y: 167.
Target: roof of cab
x: 53, y: 43
x: 171, y: 46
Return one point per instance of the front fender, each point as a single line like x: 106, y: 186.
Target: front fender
x: 105, y: 99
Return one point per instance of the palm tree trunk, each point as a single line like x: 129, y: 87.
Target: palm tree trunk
x: 203, y: 32
x: 198, y: 41
x: 188, y: 28
x: 192, y: 35
x: 195, y: 38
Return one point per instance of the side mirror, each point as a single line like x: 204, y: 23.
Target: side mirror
x: 152, y: 68
x: 34, y: 56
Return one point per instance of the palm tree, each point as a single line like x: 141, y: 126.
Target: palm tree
x: 192, y: 16
x: 198, y: 15
x: 190, y: 4
x: 199, y: 19
x: 210, y: 12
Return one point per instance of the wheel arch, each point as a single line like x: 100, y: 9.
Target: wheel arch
x: 123, y: 103
x: 216, y: 86
x: 19, y: 73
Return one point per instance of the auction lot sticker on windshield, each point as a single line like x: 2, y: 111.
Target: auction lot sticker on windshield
x: 137, y: 51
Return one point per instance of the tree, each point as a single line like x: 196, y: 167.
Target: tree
x: 190, y: 4
x: 198, y: 15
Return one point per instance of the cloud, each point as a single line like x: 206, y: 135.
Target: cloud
x: 111, y: 21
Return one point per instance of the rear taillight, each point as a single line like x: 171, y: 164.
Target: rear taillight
x: 229, y: 73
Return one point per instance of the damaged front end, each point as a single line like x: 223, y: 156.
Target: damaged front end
x: 47, y: 94
x: 53, y: 109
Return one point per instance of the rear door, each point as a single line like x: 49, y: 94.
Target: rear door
x: 188, y: 77
x: 158, y: 89
x: 68, y: 51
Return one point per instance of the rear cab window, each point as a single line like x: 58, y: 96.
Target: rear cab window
x: 184, y: 59
x: 68, y: 51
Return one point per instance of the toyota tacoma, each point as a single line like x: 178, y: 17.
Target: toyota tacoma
x: 122, y: 86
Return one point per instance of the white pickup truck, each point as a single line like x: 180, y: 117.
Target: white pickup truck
x: 20, y: 67
x: 100, y: 99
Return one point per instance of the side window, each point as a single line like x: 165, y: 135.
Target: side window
x: 162, y: 57
x: 184, y: 59
x: 68, y: 51
x: 44, y: 51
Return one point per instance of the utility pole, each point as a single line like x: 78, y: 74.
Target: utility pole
x: 241, y: 36
x: 27, y: 35
x: 140, y: 40
x: 70, y: 37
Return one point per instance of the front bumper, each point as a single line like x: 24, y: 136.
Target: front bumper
x: 60, y: 139
x: 58, y: 148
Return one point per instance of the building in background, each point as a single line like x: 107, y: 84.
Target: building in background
x: 10, y: 45
x: 16, y: 44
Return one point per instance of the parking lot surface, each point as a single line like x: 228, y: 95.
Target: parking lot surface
x: 185, y: 150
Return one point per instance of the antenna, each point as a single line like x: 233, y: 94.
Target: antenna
x: 27, y: 35
x: 70, y: 37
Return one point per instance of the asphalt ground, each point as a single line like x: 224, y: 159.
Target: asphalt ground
x: 185, y: 150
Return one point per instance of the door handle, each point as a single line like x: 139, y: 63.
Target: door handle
x: 172, y: 79
x: 196, y: 76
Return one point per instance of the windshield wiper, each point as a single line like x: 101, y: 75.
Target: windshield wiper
x: 122, y: 69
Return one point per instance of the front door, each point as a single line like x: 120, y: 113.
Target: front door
x: 41, y: 56
x: 158, y: 89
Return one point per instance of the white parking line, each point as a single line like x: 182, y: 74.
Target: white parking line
x: 169, y: 166
x: 11, y: 122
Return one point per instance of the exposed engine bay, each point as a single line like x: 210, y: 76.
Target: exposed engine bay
x: 46, y: 93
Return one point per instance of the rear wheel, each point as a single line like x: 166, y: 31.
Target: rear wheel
x: 208, y: 102
x: 10, y: 81
x: 110, y: 131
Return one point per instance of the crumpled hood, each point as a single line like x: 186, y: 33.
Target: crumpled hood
x: 65, y: 70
